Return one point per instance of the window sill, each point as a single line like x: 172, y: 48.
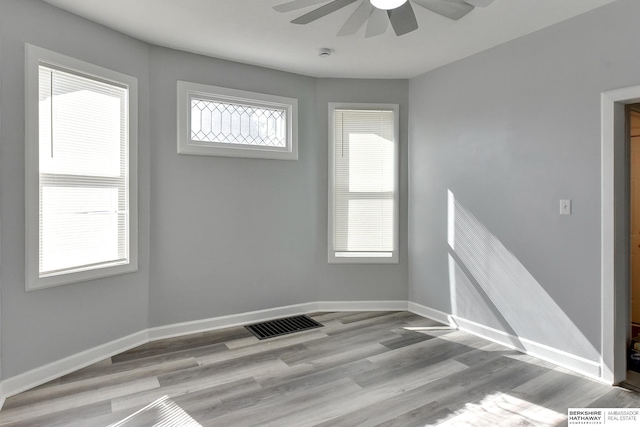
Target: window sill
x: 382, y: 258
x: 36, y: 283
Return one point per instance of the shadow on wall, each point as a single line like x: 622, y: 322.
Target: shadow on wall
x: 489, y: 286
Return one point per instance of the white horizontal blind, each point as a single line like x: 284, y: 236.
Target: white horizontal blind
x: 364, y: 183
x: 83, y: 173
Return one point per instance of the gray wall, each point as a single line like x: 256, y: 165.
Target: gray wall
x: 231, y: 235
x: 1, y: 212
x: 509, y: 132
x: 360, y: 282
x: 218, y: 236
x: 46, y: 325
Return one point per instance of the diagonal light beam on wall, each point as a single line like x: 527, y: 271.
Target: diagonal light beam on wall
x: 515, y: 294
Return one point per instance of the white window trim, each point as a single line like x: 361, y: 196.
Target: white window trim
x: 373, y: 258
x: 188, y: 146
x: 33, y: 57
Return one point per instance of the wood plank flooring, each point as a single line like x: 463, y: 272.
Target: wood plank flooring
x: 360, y: 369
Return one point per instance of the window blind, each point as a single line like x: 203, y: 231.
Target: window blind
x: 83, y: 173
x: 364, y: 183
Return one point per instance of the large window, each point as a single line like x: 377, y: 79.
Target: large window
x: 363, y: 183
x: 217, y: 121
x: 81, y: 170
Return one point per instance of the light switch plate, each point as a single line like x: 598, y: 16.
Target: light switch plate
x: 565, y: 207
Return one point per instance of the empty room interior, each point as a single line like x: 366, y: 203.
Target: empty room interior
x: 427, y: 208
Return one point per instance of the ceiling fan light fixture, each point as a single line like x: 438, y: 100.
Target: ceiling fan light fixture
x: 387, y: 4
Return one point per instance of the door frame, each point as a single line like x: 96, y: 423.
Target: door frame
x: 615, y: 311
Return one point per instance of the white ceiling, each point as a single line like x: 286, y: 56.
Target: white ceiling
x: 250, y: 31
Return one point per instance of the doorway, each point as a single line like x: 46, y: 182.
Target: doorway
x: 615, y: 231
x: 632, y: 115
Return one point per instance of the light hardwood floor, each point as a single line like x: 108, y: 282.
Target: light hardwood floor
x: 360, y: 369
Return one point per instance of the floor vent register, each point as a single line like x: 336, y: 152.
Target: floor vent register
x: 278, y: 327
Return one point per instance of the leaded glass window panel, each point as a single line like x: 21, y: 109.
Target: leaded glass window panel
x: 217, y: 121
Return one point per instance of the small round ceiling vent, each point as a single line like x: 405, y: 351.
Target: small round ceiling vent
x: 324, y: 52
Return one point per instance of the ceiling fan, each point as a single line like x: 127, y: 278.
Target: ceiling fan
x: 379, y: 13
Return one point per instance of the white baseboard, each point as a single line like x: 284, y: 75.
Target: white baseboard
x: 2, y: 395
x: 558, y: 357
x: 431, y: 313
x: 211, y: 324
x: 35, y: 377
x: 589, y: 368
x: 362, y: 305
x: 196, y: 326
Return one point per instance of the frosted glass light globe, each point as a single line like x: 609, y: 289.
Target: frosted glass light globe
x: 387, y: 4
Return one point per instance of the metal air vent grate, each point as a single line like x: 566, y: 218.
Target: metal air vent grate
x: 288, y: 325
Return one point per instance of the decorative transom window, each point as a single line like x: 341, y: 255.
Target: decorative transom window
x: 81, y: 170
x: 217, y: 121
x: 213, y: 121
x: 363, y: 183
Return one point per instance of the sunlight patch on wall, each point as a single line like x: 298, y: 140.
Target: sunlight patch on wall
x: 493, y: 288
x: 469, y: 302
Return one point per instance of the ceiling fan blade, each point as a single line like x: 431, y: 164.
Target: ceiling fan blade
x: 322, y: 11
x: 479, y: 3
x: 296, y: 4
x: 403, y: 19
x: 357, y: 19
x: 452, y: 9
x: 377, y: 23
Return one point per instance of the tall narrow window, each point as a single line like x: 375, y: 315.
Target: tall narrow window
x: 80, y: 220
x: 363, y: 183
